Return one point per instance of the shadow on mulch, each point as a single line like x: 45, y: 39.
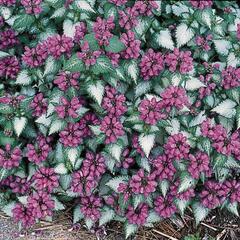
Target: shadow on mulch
x: 218, y: 225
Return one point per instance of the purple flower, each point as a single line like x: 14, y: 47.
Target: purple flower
x: 127, y: 160
x: 132, y: 45
x: 210, y: 86
x: 8, y: 39
x: 211, y: 196
x: 145, y: 7
x: 128, y: 18
x: 126, y: 190
x: 238, y: 31
x: 204, y: 42
x: 177, y: 147
x: 32, y: 6
x: 114, y: 102
x: 66, y: 80
x: 13, y: 101
x: 41, y: 204
x: 9, y: 67
x: 2, y: 21
x: 164, y: 167
x: 151, y: 111
x: 231, y: 190
x: 10, y: 158
x: 112, y: 128
x: 7, y: 3
x: 185, y: 195
x: 20, y: 185
x: 89, y: 57
x: 118, y: 2
x: 102, y: 29
x: 83, y: 183
x: 137, y: 146
x: 90, y: 207
x: 87, y: 120
x: 46, y: 179
x: 199, y: 163
x: 142, y: 183
x: 39, y: 105
x: 139, y: 215
x: 230, y: 77
x: 68, y: 108
x: 71, y: 136
x: 165, y: 206
x: 179, y: 59
x: 201, y: 4
x: 114, y: 57
x: 80, y: 31
x: 24, y: 215
x: 58, y: 45
x: 174, y: 96
x: 39, y: 152
x: 215, y: 133
x: 151, y: 64
x: 35, y: 57
x: 95, y: 164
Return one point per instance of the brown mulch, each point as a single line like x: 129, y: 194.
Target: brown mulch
x: 219, y: 225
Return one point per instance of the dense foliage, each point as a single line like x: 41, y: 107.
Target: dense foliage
x: 127, y: 110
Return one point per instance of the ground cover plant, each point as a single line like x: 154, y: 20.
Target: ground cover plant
x: 125, y: 110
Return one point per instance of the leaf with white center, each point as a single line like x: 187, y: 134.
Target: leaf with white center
x: 3, y: 54
x: 65, y: 181
x: 186, y: 181
x: 5, y: 12
x: 115, y: 150
x: 164, y: 186
x: 174, y: 126
x: 181, y: 205
x: 132, y: 70
x: 142, y: 88
x: 151, y: 96
x: 23, y: 78
x: 44, y: 120
x: 153, y: 217
x: 19, y: 123
x: 23, y: 199
x: 176, y: 79
x: 107, y: 215
x: 7, y: 209
x: 207, y: 17
x: 137, y: 199
x: 200, y: 212
x: 77, y: 214
x: 222, y: 46
x: 89, y: 223
x: 193, y: 84
x: 146, y: 142
x: 59, y: 13
x: 238, y: 117
x: 68, y: 28
x: 83, y: 5
x: 130, y: 229
x: 57, y: 126
x: 198, y: 119
x: 114, y: 182
x: 233, y: 208
x: 183, y: 34
x: 179, y: 8
x: 232, y: 60
x: 143, y: 25
x: 144, y: 163
x: 72, y: 155
x: 225, y: 108
x: 51, y: 66
x: 57, y: 204
x: 61, y: 169
x: 164, y: 39
x: 102, y: 65
x: 96, y: 91
x: 95, y: 129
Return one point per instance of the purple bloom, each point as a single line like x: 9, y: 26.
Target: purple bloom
x: 199, y: 163
x: 204, y: 42
x: 126, y: 190
x: 71, y: 136
x: 164, y: 167
x: 20, y: 185
x: 118, y: 2
x: 151, y: 64
x: 2, y: 21
x: 142, y: 183
x: 231, y: 190
x: 32, y: 6
x: 66, y: 80
x: 39, y: 105
x: 177, y: 147
x: 238, y: 31
x: 102, y: 29
x: 174, y: 96
x: 80, y: 31
x: 10, y: 158
x: 39, y: 152
x: 90, y: 207
x: 41, y: 204
x: 128, y: 18
x: 211, y: 196
x: 139, y: 215
x: 210, y: 86
x: 165, y: 206
x: 151, y: 111
x: 185, y: 195
x: 137, y: 146
x: 89, y: 57
x: 24, y: 215
x: 145, y: 7
x: 8, y: 39
x: 112, y: 128
x: 68, y: 108
x: 7, y: 3
x: 114, y: 102
x: 114, y: 57
x: 9, y: 67
x: 127, y: 160
x: 46, y: 179
x: 132, y: 45
x: 58, y: 45
x: 201, y: 4
x: 179, y: 59
x: 230, y: 77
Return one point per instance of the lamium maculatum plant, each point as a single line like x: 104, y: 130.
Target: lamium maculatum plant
x: 125, y: 110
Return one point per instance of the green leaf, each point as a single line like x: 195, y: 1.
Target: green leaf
x: 92, y: 41
x: 114, y: 182
x: 96, y: 91
x: 65, y: 181
x: 225, y: 108
x: 164, y: 186
x: 84, y: 6
x: 130, y: 229
x: 142, y: 88
x: 115, y: 150
x: 131, y: 69
x: 3, y: 54
x: 186, y: 182
x: 61, y: 169
x: 74, y: 64
x: 7, y: 209
x: 181, y: 205
x: 115, y: 45
x: 19, y: 123
x: 57, y: 126
x: 146, y: 142
x: 51, y: 66
x: 233, y: 208
x: 23, y: 78
x: 77, y: 214
x: 107, y: 214
x: 200, y: 212
x: 73, y: 154
x: 137, y: 199
x: 153, y: 217
x: 23, y: 22
x: 58, y: 205
x: 102, y: 65
x: 238, y: 117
